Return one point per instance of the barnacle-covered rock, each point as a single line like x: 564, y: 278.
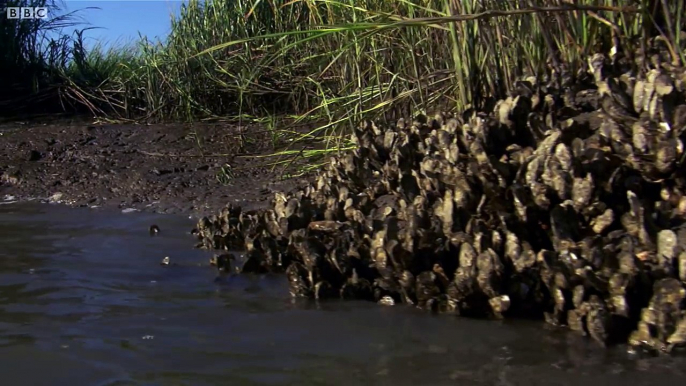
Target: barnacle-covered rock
x: 563, y: 204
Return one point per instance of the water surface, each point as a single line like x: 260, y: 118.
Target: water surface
x: 84, y: 301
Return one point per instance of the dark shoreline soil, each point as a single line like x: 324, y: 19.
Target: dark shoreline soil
x: 165, y: 168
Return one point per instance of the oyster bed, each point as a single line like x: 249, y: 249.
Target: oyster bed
x: 562, y: 203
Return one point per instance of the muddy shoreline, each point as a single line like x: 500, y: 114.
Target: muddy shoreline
x: 193, y: 169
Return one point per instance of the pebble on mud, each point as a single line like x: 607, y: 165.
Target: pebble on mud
x: 56, y: 197
x: 34, y: 155
x: 10, y: 178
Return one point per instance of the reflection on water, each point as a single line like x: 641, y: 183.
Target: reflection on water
x: 84, y: 301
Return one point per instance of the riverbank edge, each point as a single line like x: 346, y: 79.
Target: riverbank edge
x: 191, y: 169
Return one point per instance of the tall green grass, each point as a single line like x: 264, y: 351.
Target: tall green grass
x: 344, y: 60
x: 336, y: 62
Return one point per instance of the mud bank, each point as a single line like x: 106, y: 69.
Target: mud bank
x: 173, y: 168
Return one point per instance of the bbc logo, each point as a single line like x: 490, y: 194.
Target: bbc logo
x: 27, y: 12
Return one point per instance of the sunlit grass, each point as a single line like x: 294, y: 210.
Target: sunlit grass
x: 333, y: 63
x: 342, y: 61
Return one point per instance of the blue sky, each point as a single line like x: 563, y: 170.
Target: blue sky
x: 119, y: 21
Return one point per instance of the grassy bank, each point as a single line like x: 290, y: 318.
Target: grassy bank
x: 336, y: 61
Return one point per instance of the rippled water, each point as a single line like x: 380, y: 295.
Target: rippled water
x: 84, y: 301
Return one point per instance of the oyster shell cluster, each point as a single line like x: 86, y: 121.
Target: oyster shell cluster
x: 548, y: 206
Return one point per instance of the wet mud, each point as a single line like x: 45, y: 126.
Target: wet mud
x: 173, y: 168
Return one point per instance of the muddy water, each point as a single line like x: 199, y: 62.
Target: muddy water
x: 84, y: 301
